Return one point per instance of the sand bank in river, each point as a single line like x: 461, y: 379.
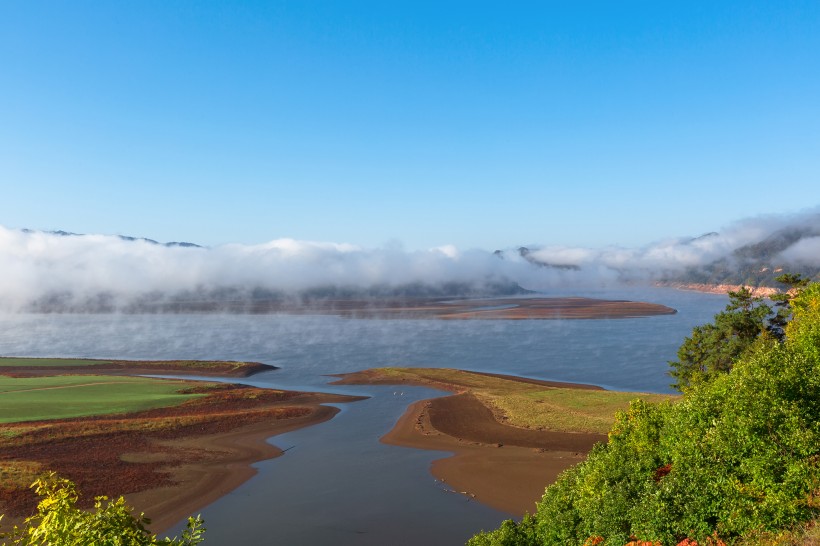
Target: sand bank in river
x: 502, y: 466
x: 510, y: 308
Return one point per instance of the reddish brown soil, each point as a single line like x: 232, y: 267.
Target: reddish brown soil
x: 511, y: 309
x: 557, y: 308
x: 444, y: 308
x: 160, y: 448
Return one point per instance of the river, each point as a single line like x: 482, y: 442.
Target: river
x: 337, y: 484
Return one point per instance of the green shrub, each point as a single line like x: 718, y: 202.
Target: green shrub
x: 59, y: 521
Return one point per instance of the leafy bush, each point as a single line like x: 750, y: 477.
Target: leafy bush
x: 59, y: 521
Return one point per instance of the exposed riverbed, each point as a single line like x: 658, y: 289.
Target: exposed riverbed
x: 338, y: 484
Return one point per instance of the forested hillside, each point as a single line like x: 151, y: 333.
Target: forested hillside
x: 756, y: 264
x: 736, y: 461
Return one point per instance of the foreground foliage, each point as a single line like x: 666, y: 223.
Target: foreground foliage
x: 738, y: 456
x: 59, y: 521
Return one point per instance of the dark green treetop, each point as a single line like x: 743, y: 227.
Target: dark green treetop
x: 712, y: 348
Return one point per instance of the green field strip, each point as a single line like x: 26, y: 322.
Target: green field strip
x: 60, y: 397
x: 566, y: 410
x: 48, y: 362
x: 11, y: 384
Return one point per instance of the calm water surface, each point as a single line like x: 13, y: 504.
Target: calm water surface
x: 338, y: 484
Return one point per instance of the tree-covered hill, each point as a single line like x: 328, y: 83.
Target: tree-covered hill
x: 755, y: 264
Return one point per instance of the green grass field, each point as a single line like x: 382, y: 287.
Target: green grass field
x: 48, y: 362
x: 65, y: 396
x: 570, y: 410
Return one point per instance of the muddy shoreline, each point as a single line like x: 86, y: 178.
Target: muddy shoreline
x: 722, y: 289
x: 168, y: 462
x: 502, y: 466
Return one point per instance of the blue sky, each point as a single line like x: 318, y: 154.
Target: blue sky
x: 477, y: 124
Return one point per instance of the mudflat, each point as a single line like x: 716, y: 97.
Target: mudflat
x: 504, y: 308
x: 499, y: 460
x: 168, y: 461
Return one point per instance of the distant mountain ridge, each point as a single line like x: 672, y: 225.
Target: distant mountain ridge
x: 755, y: 264
x: 793, y: 248
x: 62, y: 233
x: 526, y: 253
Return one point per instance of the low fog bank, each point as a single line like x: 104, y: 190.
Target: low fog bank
x: 59, y: 271
x: 752, y: 251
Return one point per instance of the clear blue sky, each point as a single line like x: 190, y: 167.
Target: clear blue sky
x: 483, y: 125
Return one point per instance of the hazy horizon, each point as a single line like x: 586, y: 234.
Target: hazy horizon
x: 40, y: 265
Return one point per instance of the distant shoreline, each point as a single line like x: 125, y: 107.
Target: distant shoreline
x: 444, y: 308
x: 706, y: 288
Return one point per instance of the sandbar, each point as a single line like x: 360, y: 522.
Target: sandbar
x: 501, y: 308
x: 499, y: 465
